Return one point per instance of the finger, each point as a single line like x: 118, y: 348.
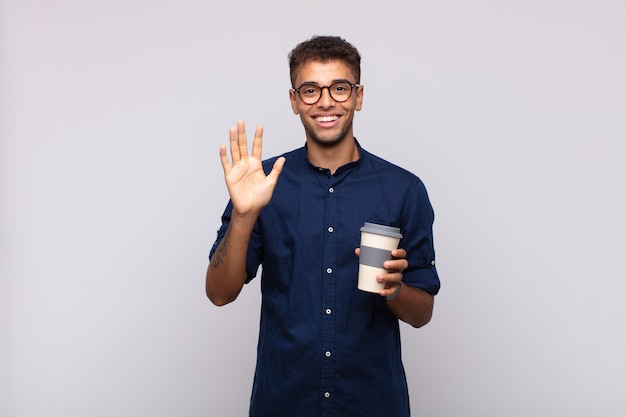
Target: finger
x: 389, y: 279
x: 357, y: 251
x: 398, y: 253
x: 388, y: 291
x: 225, y: 163
x: 241, y: 139
x: 234, y: 146
x: 276, y: 170
x: 257, y: 145
x: 396, y: 265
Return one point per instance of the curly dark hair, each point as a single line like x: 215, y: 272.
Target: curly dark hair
x: 324, y: 48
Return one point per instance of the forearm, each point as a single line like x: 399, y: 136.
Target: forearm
x: 226, y: 273
x: 413, y: 306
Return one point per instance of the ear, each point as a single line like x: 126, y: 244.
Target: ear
x: 359, y: 98
x: 293, y: 99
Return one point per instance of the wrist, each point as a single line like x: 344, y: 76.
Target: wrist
x: 244, y: 220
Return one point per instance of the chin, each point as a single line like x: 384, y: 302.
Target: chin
x: 328, y: 140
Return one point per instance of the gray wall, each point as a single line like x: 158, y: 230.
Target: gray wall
x: 112, y: 112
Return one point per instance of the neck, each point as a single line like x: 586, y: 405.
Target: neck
x: 332, y: 157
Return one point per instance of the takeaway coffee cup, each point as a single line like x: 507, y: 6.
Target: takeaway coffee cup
x: 377, y: 242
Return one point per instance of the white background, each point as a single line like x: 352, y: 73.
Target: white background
x: 111, y: 114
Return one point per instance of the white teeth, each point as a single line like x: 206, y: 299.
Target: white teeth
x: 326, y: 118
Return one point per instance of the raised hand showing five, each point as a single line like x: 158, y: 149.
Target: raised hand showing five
x: 249, y: 188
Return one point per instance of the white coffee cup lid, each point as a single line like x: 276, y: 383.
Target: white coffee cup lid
x: 379, y: 229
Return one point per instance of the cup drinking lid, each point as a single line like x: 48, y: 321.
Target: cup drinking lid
x: 379, y: 229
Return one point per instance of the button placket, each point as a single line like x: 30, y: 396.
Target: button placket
x: 329, y: 284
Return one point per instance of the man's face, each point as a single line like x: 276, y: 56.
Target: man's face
x: 326, y: 122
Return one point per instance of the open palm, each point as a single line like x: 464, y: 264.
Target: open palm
x: 249, y: 188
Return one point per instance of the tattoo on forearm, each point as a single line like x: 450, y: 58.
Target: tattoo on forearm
x: 220, y: 252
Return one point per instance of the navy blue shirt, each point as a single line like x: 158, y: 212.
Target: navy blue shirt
x: 326, y: 348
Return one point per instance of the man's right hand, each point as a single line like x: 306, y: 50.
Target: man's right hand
x: 249, y: 188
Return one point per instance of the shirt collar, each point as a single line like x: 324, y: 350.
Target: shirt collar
x: 344, y: 168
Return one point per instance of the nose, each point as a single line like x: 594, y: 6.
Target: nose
x: 325, y: 98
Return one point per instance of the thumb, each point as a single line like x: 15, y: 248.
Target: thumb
x: 277, y: 169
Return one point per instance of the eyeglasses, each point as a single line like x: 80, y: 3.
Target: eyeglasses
x: 339, y: 91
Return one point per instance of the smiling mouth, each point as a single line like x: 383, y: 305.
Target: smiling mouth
x: 326, y: 119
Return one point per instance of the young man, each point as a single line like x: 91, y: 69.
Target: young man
x: 325, y: 347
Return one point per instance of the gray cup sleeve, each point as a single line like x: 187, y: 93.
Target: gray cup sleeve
x: 373, y: 256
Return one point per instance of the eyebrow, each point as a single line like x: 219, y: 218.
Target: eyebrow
x: 341, y: 80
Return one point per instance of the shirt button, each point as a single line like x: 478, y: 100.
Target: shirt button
x: 331, y: 190
x: 432, y: 263
x: 329, y: 270
x: 328, y: 353
x: 327, y: 394
x: 331, y: 229
x: 328, y: 311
